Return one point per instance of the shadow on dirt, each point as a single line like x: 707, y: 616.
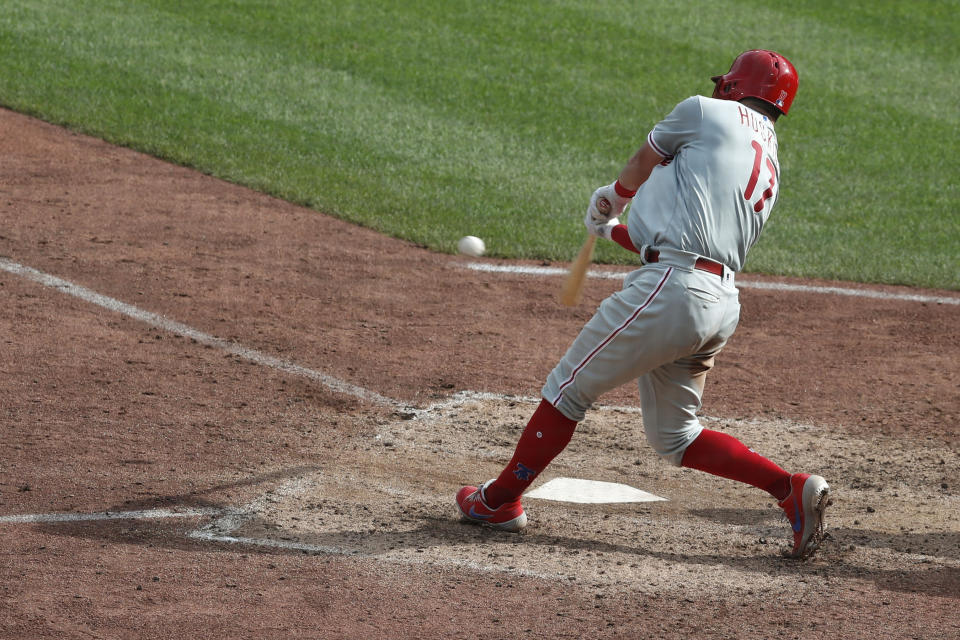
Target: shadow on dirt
x: 835, y: 561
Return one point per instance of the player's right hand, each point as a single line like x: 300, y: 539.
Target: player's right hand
x: 602, y: 229
x: 600, y: 214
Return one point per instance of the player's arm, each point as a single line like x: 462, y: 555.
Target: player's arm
x: 638, y: 169
x: 614, y: 198
x: 633, y: 175
x: 681, y: 126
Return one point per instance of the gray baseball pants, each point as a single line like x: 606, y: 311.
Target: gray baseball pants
x: 663, y: 329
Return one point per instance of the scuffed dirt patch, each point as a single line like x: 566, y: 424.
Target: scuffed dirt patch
x: 889, y: 526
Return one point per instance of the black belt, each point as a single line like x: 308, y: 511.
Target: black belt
x: 704, y: 264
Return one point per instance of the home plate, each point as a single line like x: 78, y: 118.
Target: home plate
x: 589, y: 492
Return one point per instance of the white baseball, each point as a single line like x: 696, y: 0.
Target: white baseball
x: 471, y: 246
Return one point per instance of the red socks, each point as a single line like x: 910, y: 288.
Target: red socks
x: 549, y: 432
x: 723, y: 455
x: 546, y: 435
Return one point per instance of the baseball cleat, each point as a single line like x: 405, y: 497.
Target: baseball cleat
x: 508, y: 516
x: 808, y: 499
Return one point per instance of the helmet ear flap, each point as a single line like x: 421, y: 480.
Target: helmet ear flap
x: 723, y: 88
x: 719, y: 86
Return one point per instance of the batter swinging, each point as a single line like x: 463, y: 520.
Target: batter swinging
x: 702, y: 187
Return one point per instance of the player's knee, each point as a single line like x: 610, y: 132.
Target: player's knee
x: 670, y: 442
x: 571, y: 402
x: 571, y: 407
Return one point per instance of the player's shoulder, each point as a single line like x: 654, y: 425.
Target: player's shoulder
x: 703, y: 108
x: 690, y: 105
x: 716, y: 106
x: 686, y: 111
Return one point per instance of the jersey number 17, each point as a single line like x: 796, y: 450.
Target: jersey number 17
x: 755, y: 176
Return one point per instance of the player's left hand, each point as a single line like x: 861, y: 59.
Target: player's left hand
x: 602, y: 229
x: 617, y: 204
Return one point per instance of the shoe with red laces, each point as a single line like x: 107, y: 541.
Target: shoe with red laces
x: 808, y: 499
x: 473, y: 507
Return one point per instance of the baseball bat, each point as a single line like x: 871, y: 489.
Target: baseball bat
x: 573, y: 285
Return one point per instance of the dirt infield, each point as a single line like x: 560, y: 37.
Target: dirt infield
x: 228, y: 416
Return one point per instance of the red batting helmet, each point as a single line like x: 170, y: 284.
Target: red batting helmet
x: 762, y: 74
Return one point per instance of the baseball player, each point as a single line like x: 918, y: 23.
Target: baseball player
x: 701, y: 188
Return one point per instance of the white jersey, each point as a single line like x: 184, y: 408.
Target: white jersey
x: 717, y: 185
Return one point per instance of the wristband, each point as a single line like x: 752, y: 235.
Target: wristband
x: 622, y: 191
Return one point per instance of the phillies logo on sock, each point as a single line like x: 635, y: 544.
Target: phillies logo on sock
x: 523, y: 473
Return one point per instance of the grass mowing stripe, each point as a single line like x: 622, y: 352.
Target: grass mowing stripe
x: 430, y: 120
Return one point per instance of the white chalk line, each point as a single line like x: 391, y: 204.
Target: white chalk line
x: 221, y: 530
x: 143, y: 514
x: 752, y: 284
x: 235, y: 518
x: 230, y: 520
x: 177, y: 328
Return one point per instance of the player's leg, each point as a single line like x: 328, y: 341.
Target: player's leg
x: 497, y: 502
x: 721, y: 454
x: 606, y: 354
x: 634, y: 331
x: 670, y: 398
x: 547, y: 434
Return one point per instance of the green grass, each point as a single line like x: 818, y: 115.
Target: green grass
x: 434, y: 119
